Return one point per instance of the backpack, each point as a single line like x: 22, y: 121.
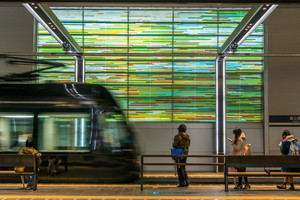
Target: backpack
x: 295, y: 148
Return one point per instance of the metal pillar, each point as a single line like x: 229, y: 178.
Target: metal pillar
x: 79, y: 69
x: 43, y: 14
x: 256, y: 15
x: 220, y: 106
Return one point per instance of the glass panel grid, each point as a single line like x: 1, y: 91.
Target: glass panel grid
x: 163, y: 88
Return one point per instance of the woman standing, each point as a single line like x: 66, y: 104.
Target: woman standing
x: 287, y: 147
x: 239, y: 144
x: 182, y: 141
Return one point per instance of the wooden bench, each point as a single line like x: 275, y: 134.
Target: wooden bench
x: 9, y: 161
x: 261, y: 161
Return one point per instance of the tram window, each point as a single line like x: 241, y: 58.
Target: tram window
x: 64, y: 132
x: 15, y: 129
x: 113, y: 130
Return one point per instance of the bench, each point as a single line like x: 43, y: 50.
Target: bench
x: 260, y: 161
x: 9, y: 161
x: 175, y: 164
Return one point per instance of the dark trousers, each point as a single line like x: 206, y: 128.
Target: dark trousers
x: 241, y: 178
x: 182, y: 174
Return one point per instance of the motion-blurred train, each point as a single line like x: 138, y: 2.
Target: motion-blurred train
x: 79, y: 129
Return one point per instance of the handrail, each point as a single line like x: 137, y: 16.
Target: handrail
x: 198, y: 156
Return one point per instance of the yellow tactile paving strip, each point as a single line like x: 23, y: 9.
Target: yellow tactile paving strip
x: 131, y: 185
x: 148, y: 197
x: 157, y: 192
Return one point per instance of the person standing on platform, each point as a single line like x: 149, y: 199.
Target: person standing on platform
x: 182, y: 141
x: 239, y: 145
x: 288, y: 146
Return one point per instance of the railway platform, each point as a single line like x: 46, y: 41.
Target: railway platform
x: 132, y: 192
x: 157, y: 186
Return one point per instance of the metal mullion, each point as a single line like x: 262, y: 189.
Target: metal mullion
x: 128, y: 60
x: 172, y: 86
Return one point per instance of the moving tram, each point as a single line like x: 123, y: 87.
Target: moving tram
x: 79, y: 129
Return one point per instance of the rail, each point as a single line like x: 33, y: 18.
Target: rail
x: 198, y: 156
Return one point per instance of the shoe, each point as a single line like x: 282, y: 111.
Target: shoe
x: 292, y: 188
x: 180, y: 185
x: 238, y: 187
x: 281, y: 186
x: 29, y: 187
x: 246, y: 187
x: 186, y: 186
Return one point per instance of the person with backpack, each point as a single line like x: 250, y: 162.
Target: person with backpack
x: 182, y: 141
x: 288, y: 146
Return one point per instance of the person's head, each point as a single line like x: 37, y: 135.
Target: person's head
x: 29, y: 142
x: 237, y: 132
x: 285, y: 133
x: 182, y: 128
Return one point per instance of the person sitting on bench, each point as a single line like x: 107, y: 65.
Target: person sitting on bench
x: 30, y: 150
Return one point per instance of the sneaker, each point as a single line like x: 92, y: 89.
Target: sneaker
x: 292, y: 188
x: 180, y: 185
x: 281, y: 186
x: 246, y: 187
x: 29, y: 187
x: 238, y: 187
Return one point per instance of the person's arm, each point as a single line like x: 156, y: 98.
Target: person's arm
x: 187, y: 145
x: 21, y: 151
x: 176, y: 142
x: 239, y: 145
x: 285, y: 148
x: 37, y: 153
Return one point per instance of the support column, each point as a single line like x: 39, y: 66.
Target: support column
x: 220, y: 106
x: 79, y: 69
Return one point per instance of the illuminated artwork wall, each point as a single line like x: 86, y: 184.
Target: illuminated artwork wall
x: 160, y: 87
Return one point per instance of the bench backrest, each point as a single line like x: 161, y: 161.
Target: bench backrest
x: 12, y: 160
x: 263, y: 161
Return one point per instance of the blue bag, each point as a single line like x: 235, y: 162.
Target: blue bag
x: 294, y: 148
x: 177, y: 152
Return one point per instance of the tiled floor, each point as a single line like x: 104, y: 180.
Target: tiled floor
x: 130, y: 191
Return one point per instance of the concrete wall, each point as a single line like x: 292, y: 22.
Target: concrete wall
x: 284, y: 72
x: 16, y: 35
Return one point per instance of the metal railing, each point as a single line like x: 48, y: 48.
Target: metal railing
x: 197, y: 156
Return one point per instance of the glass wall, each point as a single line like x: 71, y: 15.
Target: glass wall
x: 157, y: 86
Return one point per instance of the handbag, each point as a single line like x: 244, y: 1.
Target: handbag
x: 176, y: 152
x: 247, y: 150
x: 19, y: 169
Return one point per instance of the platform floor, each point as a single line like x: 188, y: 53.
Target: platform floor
x: 132, y: 191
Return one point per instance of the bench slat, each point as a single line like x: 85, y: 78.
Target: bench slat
x: 15, y: 173
x: 263, y: 174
